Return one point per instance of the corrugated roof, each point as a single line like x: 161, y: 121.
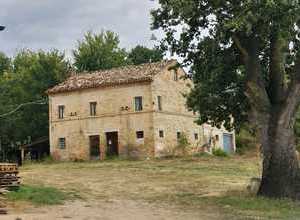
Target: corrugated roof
x: 115, y: 76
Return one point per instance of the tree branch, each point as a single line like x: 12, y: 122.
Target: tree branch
x: 277, y: 85
x: 242, y: 50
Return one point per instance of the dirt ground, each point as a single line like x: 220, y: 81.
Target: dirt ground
x: 109, y: 210
x: 125, y: 190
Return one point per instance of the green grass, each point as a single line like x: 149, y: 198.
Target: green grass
x: 259, y: 207
x: 38, y: 195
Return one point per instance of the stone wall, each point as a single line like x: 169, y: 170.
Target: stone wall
x: 116, y: 113
x: 112, y: 115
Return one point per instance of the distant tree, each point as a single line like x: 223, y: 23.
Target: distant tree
x: 32, y: 74
x: 5, y: 63
x: 99, y: 52
x: 141, y: 54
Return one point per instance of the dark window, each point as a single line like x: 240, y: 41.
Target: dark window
x: 159, y: 103
x: 140, y: 134
x: 93, y: 106
x: 178, y: 135
x: 196, y: 136
x: 62, y: 143
x: 61, y: 110
x: 161, y: 133
x: 217, y: 137
x: 138, y: 103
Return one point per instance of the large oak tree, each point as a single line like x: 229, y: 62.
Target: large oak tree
x: 245, y: 60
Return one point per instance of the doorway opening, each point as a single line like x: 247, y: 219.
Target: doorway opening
x: 95, y: 147
x: 112, y: 144
x: 228, y: 143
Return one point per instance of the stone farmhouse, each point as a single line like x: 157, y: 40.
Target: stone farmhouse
x: 129, y: 111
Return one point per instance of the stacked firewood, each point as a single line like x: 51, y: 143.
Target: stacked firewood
x: 9, y: 176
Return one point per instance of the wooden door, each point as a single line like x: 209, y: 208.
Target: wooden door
x: 112, y: 144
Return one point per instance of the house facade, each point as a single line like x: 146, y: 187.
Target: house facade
x: 135, y: 111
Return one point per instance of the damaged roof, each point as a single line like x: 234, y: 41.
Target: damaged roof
x: 115, y: 76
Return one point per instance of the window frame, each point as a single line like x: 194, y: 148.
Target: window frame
x: 93, y: 108
x: 178, y: 135
x: 138, y: 103
x: 161, y: 134
x: 61, y: 112
x: 140, y: 135
x: 62, y: 143
x: 159, y: 103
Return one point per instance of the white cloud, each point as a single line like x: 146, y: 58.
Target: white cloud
x: 46, y: 24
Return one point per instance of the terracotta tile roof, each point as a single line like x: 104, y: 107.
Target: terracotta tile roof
x: 115, y: 76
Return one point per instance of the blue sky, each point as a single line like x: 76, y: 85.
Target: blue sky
x: 46, y: 24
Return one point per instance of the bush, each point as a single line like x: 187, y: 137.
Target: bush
x: 245, y: 141
x: 219, y: 152
x: 183, y: 144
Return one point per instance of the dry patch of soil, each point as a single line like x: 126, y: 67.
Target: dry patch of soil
x: 158, y: 189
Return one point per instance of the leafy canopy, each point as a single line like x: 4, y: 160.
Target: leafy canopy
x: 30, y: 75
x: 5, y: 63
x: 99, y: 52
x: 216, y: 39
x: 141, y: 54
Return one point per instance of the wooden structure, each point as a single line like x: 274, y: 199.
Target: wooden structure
x: 9, y: 175
x: 36, y: 150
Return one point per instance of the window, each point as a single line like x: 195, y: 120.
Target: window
x: 196, y: 136
x: 93, y: 106
x: 161, y: 134
x: 175, y: 75
x: 178, y: 135
x: 62, y: 143
x: 61, y: 110
x: 138, y: 103
x: 140, y: 134
x: 217, y: 137
x: 159, y: 103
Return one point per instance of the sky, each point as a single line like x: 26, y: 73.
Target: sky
x: 47, y: 24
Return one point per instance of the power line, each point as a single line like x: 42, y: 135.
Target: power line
x: 38, y: 102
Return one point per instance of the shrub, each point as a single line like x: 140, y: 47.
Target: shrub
x: 245, y: 141
x: 183, y: 144
x: 219, y: 152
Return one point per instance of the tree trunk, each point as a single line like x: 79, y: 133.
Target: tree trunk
x: 280, y: 177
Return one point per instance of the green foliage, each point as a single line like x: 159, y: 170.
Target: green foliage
x: 32, y: 73
x: 218, y: 152
x: 140, y: 55
x: 245, y: 141
x: 182, y: 145
x: 5, y: 63
x: 38, y: 195
x: 99, y: 52
x: 214, y: 37
x: 272, y: 208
